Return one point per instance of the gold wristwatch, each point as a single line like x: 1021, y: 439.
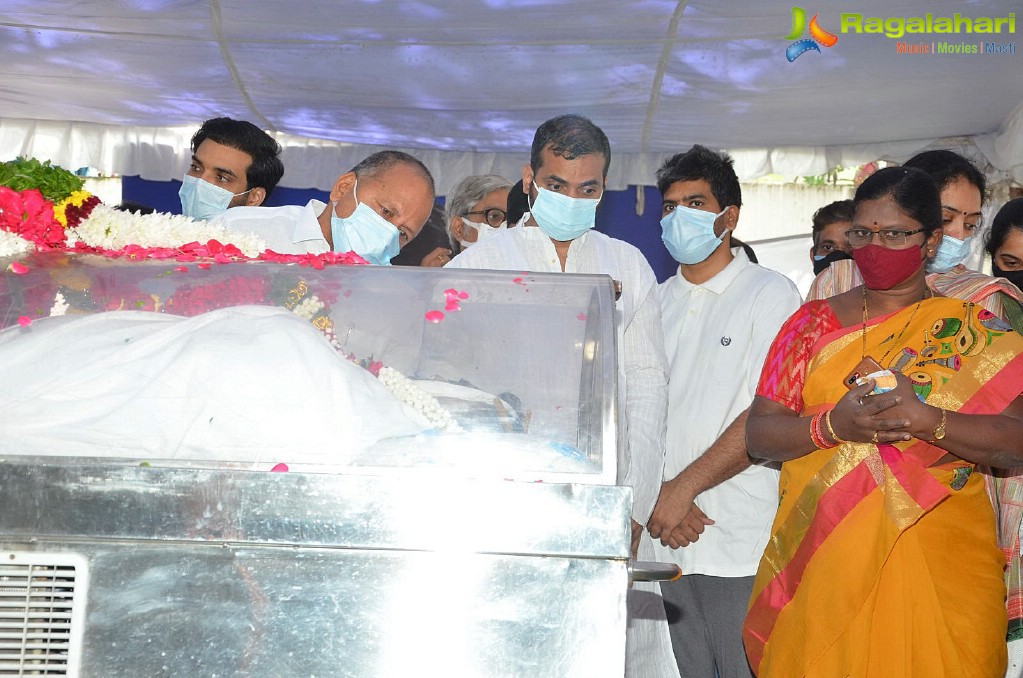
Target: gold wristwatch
x: 939, y: 431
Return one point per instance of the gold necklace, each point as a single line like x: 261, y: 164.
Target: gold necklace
x: 895, y: 342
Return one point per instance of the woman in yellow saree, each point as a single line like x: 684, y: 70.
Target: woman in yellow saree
x: 883, y: 559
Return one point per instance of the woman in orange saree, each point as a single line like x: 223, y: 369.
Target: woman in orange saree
x: 883, y: 559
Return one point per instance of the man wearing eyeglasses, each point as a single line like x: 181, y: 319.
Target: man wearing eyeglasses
x: 375, y: 209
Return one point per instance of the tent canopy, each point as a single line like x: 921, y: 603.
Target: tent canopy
x: 463, y: 83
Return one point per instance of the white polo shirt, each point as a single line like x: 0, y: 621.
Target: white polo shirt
x: 716, y: 336
x: 292, y: 229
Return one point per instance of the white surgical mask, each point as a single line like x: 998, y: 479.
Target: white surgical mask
x: 951, y: 252
x: 563, y: 217
x: 689, y: 234
x: 364, y: 232
x: 483, y: 231
x: 202, y: 200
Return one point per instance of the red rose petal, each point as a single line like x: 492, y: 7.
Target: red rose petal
x: 24, y: 320
x: 18, y: 268
x: 434, y: 316
x: 279, y: 468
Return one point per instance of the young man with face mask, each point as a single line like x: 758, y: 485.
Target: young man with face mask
x: 720, y: 313
x: 564, y: 182
x: 234, y: 163
x: 830, y: 243
x: 374, y: 210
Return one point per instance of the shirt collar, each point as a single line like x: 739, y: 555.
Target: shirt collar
x: 720, y: 282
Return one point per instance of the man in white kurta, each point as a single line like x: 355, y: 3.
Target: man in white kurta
x: 641, y: 361
x: 720, y: 313
x: 564, y: 181
x: 291, y: 229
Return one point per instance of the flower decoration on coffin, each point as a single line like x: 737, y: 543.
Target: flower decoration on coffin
x: 37, y: 200
x: 73, y: 209
x: 29, y: 222
x: 63, y: 217
x: 43, y: 207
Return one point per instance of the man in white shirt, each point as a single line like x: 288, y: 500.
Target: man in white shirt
x: 720, y: 313
x: 234, y: 163
x: 564, y: 181
x: 375, y: 209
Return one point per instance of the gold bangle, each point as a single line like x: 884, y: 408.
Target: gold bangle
x: 831, y: 431
x: 939, y: 430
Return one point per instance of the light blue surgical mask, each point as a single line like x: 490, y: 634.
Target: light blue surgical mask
x: 563, y: 217
x: 951, y: 252
x: 689, y: 234
x: 364, y: 232
x: 202, y: 200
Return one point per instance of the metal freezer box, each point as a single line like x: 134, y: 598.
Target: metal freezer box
x: 201, y: 572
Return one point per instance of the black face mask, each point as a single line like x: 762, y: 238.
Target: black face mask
x: 821, y: 264
x: 1015, y: 277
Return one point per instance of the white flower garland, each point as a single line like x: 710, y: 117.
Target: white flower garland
x: 309, y: 307
x: 110, y: 229
x: 418, y: 399
x: 12, y: 245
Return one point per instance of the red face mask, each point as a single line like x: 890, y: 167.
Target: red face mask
x: 883, y: 268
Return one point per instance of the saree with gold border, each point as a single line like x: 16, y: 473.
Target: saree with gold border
x: 882, y: 563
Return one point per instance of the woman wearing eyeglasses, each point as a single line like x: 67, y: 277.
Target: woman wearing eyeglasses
x: 962, y: 188
x: 476, y: 210
x: 883, y: 559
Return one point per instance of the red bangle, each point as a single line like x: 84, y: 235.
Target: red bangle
x: 817, y: 432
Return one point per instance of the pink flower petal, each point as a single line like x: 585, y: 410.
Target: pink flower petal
x: 24, y: 320
x: 452, y: 305
x: 182, y: 269
x: 581, y: 316
x: 463, y: 294
x: 434, y: 316
x: 18, y: 268
x: 517, y: 281
x: 279, y: 468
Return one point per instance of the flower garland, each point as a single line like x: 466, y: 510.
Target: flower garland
x: 80, y: 223
x: 419, y: 400
x: 71, y: 210
x: 116, y: 233
x: 13, y: 245
x: 29, y: 215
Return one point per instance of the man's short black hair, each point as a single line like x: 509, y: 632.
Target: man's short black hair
x: 266, y: 168
x: 569, y: 137
x: 840, y: 210
x: 382, y: 161
x: 699, y: 162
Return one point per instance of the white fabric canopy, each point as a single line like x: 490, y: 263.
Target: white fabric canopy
x: 463, y: 83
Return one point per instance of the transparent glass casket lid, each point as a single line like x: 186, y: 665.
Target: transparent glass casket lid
x: 273, y: 366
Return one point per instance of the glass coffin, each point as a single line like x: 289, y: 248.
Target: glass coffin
x: 267, y: 366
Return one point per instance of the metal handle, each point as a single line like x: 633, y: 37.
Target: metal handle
x: 648, y: 570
